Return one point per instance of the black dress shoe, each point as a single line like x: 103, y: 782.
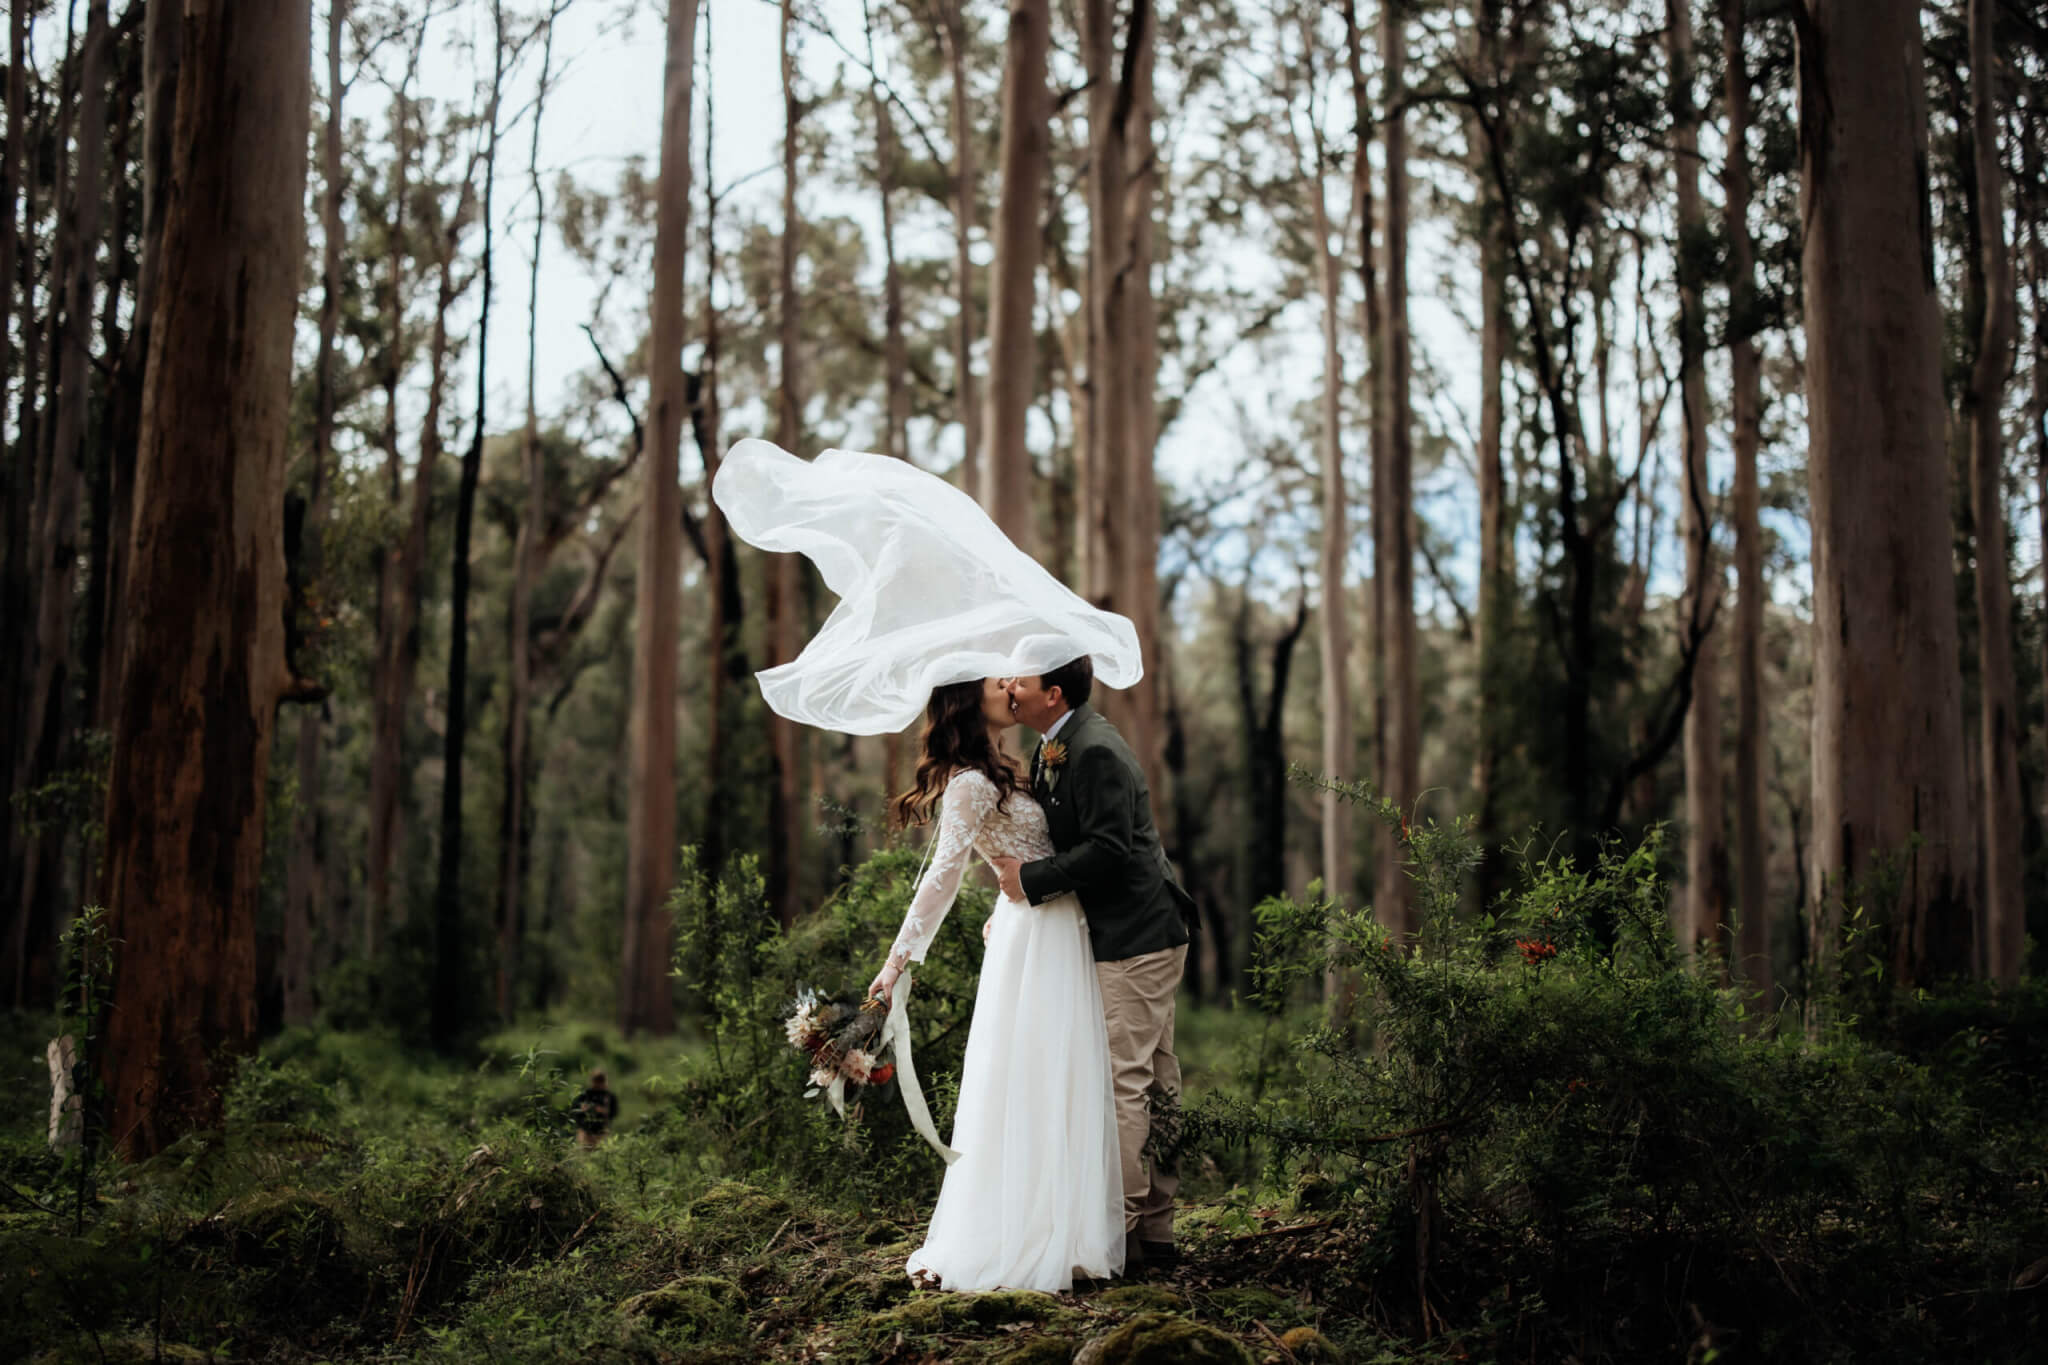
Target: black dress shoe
x: 1160, y: 1255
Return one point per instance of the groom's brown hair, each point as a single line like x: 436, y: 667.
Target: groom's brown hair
x: 1075, y: 680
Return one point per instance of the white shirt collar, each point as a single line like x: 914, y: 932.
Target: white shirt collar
x: 1065, y: 716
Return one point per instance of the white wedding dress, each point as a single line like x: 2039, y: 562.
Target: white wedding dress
x: 1036, y: 1197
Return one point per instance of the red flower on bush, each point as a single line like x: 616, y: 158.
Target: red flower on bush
x: 1535, y: 950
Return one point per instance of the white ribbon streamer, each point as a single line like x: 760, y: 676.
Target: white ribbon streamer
x: 896, y: 1029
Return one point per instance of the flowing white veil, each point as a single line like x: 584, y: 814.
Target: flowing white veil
x: 930, y: 591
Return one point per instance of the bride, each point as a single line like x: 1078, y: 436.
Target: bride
x: 936, y: 606
x: 1036, y: 1198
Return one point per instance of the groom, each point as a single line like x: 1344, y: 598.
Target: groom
x: 1100, y: 816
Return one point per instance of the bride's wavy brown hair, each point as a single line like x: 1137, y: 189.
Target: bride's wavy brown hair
x: 955, y: 737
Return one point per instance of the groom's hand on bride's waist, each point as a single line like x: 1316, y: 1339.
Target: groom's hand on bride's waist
x: 1009, y: 878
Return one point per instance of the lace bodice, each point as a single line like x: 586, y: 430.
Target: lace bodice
x: 969, y: 823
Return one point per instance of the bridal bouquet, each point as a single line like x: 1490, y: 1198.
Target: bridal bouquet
x: 843, y: 1042
x: 846, y: 1044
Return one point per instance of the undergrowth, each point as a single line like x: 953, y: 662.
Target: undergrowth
x: 1538, y: 1134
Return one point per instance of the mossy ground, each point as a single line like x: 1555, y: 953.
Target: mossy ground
x: 364, y: 1202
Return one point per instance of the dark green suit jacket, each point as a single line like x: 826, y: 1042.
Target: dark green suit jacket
x: 1099, y: 813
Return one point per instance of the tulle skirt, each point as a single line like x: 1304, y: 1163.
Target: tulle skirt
x: 1036, y: 1197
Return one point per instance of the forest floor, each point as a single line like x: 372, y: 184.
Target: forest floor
x: 365, y: 1202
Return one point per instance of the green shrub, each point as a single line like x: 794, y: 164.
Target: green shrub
x: 742, y: 1093
x: 1551, y: 1095
x: 266, y: 1091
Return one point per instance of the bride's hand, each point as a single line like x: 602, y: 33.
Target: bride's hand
x: 885, y: 980
x: 987, y: 927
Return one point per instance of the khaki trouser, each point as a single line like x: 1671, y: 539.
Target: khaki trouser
x: 587, y: 1139
x: 1137, y: 1003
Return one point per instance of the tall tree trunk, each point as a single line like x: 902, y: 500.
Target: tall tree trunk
x: 646, y: 1003
x: 1119, y: 515
x: 54, y: 543
x: 17, y: 483
x: 1262, y: 722
x: 527, y: 554
x: 785, y: 823
x: 2037, y: 414
x: 726, y: 654
x: 1371, y: 321
x: 397, y: 611
x: 895, y: 355
x: 1119, y: 115
x: 2004, y: 927
x: 1706, y: 847
x: 1138, y: 382
x: 1496, y: 555
x: 303, y: 877
x: 1006, y: 474
x: 1393, y: 501
x: 451, y: 950
x: 205, y: 662
x: 952, y: 31
x: 159, y: 101
x: 1104, y: 498
x: 24, y: 469
x: 1334, y: 618
x: 125, y: 152
x: 1752, y: 894
x: 1889, y: 794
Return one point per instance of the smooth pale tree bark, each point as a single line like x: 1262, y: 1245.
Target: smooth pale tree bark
x: 2004, y: 928
x: 1006, y: 480
x: 1393, y: 501
x: 1706, y: 846
x: 304, y: 872
x: 646, y: 1004
x: 450, y: 975
x: 1752, y: 884
x: 1371, y: 313
x: 1334, y: 623
x: 528, y: 553
x: 950, y: 22
x: 54, y: 543
x: 1891, y: 826
x: 205, y: 664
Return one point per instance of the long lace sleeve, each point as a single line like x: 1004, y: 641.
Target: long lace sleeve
x: 969, y: 799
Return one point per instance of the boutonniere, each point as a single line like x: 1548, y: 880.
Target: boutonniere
x: 1051, y: 755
